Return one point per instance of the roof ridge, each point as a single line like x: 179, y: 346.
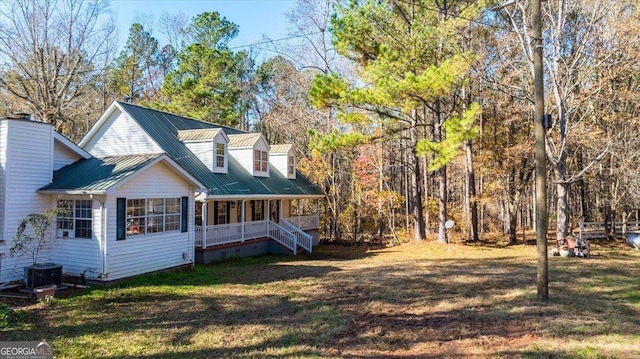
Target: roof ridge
x: 176, y: 115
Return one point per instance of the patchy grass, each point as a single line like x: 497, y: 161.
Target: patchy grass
x: 412, y: 301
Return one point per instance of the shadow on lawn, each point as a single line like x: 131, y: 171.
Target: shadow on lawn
x: 468, y: 300
x: 354, y: 309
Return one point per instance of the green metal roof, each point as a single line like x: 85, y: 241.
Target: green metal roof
x: 96, y: 174
x: 163, y: 128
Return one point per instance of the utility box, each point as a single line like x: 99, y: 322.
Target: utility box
x: 43, y: 274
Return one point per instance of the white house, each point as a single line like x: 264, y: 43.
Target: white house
x: 147, y: 190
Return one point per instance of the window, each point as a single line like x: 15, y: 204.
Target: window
x: 257, y: 210
x: 260, y: 161
x: 292, y: 165
x: 221, y: 212
x: 153, y: 215
x: 74, y: 219
x: 220, y: 155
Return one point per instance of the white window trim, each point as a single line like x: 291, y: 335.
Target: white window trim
x: 224, y: 156
x: 263, y: 162
x: 148, y: 215
x: 291, y: 165
x: 71, y: 232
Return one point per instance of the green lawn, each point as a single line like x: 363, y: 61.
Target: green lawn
x: 412, y: 301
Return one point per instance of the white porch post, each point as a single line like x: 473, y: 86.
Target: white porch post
x: 299, y: 210
x: 268, y: 214
x: 280, y: 210
x: 242, y: 220
x: 204, y: 225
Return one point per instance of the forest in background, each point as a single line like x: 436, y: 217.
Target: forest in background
x: 407, y: 113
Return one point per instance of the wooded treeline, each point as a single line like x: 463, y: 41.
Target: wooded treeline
x: 407, y: 113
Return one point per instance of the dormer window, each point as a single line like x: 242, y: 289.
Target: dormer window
x: 260, y: 160
x: 292, y: 165
x: 251, y: 150
x: 209, y: 145
x: 220, y: 156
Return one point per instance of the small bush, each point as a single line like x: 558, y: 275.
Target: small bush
x: 7, y: 317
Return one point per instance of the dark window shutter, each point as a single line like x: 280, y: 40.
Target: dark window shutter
x: 184, y: 226
x: 121, y: 219
x: 228, y: 212
x: 215, y: 212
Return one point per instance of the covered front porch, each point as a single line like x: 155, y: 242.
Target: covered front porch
x: 292, y: 223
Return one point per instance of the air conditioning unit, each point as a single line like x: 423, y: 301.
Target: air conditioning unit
x: 43, y: 274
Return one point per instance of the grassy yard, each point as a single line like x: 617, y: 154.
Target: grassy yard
x: 412, y: 301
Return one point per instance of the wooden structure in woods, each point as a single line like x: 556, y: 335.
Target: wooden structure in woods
x: 600, y: 230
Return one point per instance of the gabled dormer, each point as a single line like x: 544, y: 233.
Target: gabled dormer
x: 210, y: 146
x: 251, y: 150
x: 283, y: 159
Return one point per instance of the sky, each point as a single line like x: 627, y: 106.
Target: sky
x: 254, y: 17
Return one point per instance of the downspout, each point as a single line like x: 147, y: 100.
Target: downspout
x: 103, y: 240
x: 105, y: 266
x: 191, y: 242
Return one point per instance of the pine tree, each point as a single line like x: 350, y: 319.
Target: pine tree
x: 208, y: 81
x: 133, y: 74
x: 410, y: 68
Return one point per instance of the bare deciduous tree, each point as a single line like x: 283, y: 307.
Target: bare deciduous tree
x: 52, y: 53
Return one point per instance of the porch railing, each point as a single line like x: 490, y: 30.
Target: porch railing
x: 305, y: 222
x: 284, y: 237
x: 303, y: 239
x: 219, y: 234
x: 233, y: 233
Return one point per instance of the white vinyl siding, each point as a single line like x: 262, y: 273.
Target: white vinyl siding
x: 281, y: 162
x: 146, y: 253
x: 63, y: 156
x: 244, y: 156
x: 207, y: 152
x: 203, y: 150
x: 119, y: 136
x: 28, y: 167
x: 3, y: 165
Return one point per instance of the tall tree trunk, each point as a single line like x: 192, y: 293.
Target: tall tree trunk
x: 512, y: 206
x: 442, y: 204
x: 419, y: 232
x: 471, y: 194
x: 562, y: 189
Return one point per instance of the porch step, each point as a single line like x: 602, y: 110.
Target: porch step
x: 277, y: 248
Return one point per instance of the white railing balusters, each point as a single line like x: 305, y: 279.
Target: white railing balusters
x: 304, y: 240
x: 305, y: 222
x: 282, y: 236
x: 286, y: 234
